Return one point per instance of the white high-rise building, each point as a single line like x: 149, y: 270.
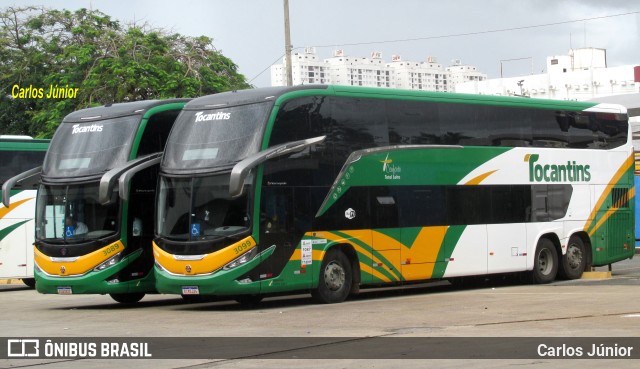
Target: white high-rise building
x: 307, y: 69
x: 374, y: 72
x: 464, y: 73
x: 353, y: 71
x: 426, y: 76
x: 581, y: 75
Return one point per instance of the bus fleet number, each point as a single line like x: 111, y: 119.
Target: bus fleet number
x: 110, y: 250
x: 243, y: 246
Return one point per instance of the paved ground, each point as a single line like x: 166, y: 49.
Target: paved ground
x: 564, y: 309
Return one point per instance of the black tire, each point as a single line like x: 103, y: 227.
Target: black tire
x: 335, y: 280
x: 574, y: 261
x: 30, y: 282
x: 249, y: 300
x: 127, y: 298
x: 192, y: 299
x: 545, y: 263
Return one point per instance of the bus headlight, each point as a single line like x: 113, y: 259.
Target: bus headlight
x: 110, y: 262
x: 244, y: 258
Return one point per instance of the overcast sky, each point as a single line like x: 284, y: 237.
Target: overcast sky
x: 251, y: 32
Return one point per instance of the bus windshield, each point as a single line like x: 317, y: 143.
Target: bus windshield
x: 85, y: 149
x: 72, y: 214
x: 200, y: 208
x: 215, y: 137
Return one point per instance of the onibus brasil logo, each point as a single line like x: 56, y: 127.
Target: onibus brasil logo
x: 569, y: 172
x: 391, y: 171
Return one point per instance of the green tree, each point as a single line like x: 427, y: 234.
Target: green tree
x: 106, y: 61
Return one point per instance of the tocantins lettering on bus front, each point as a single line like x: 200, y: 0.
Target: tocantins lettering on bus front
x: 569, y: 172
x: 202, y: 117
x: 391, y: 171
x: 86, y: 129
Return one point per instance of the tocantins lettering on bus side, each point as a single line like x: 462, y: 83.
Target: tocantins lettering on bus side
x: 571, y: 171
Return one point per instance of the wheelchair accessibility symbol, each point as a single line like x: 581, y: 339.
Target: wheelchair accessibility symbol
x: 195, y: 229
x: 69, y: 231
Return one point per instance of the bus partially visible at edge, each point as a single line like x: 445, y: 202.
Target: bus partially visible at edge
x: 329, y: 189
x: 18, y: 154
x: 91, y: 236
x: 631, y: 101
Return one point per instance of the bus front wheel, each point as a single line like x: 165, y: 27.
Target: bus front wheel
x: 335, y: 278
x: 545, y: 263
x: 574, y: 261
x: 127, y: 298
x: 30, y: 282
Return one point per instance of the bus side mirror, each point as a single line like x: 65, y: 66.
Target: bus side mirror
x: 29, y: 178
x: 241, y: 170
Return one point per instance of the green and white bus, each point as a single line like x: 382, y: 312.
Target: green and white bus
x: 92, y: 235
x: 18, y: 154
x: 329, y: 188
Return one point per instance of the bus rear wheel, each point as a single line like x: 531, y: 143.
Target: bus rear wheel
x: 127, y: 298
x: 545, y: 263
x: 335, y: 278
x: 574, y: 261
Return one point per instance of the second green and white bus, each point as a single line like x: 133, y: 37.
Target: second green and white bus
x: 329, y: 188
x: 94, y: 236
x: 18, y: 154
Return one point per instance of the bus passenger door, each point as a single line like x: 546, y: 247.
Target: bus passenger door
x: 276, y: 228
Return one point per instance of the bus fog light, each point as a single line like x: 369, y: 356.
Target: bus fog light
x: 110, y: 262
x: 244, y: 258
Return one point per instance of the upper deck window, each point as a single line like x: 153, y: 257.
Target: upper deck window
x: 210, y: 138
x: 84, y: 149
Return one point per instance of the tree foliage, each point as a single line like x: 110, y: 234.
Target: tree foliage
x: 106, y: 61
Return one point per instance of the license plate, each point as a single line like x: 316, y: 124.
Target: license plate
x: 64, y: 291
x: 190, y: 290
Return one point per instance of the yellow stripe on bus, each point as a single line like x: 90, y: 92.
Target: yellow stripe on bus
x: 607, y: 214
x: 81, y: 265
x: 616, y: 178
x: 4, y: 211
x: 207, y: 264
x: 480, y: 178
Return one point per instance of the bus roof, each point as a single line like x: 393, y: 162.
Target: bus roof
x: 630, y: 101
x: 242, y: 97
x: 116, y: 110
x: 274, y: 93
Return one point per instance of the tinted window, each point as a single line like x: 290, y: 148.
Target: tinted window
x: 413, y: 123
x: 210, y: 138
x: 462, y: 124
x: 351, y: 211
x: 16, y: 162
x: 360, y: 123
x: 297, y: 120
x: 84, y: 149
x: 421, y: 206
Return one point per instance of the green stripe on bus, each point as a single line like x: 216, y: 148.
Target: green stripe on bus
x: 5, y: 232
x: 449, y: 243
x: 392, y: 273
